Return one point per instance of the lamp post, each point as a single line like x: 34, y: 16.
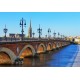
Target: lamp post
x: 49, y: 31
x: 22, y: 24
x: 45, y: 36
x: 33, y: 34
x: 58, y: 34
x: 54, y: 34
x: 39, y: 31
x: 11, y: 38
x: 5, y: 31
x: 61, y: 36
x: 65, y: 37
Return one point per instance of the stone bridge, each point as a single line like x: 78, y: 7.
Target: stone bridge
x: 10, y: 51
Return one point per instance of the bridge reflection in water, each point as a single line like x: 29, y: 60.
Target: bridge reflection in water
x: 58, y: 58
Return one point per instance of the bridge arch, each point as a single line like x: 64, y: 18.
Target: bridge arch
x: 60, y: 44
x: 9, y: 53
x: 49, y: 46
x: 41, y: 48
x: 28, y: 50
x: 54, y: 45
x: 57, y: 45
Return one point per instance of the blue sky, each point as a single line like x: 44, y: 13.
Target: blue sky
x: 67, y: 23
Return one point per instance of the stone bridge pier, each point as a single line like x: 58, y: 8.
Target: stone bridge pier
x: 10, y: 51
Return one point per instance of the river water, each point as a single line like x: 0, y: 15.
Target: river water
x: 64, y: 57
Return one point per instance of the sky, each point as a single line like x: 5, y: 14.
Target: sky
x: 66, y: 23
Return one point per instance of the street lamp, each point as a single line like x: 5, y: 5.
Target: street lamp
x: 45, y: 36
x: 58, y: 34
x: 39, y: 31
x: 33, y: 34
x: 61, y: 36
x: 22, y: 24
x: 54, y: 34
x: 65, y: 37
x: 5, y: 31
x: 49, y: 31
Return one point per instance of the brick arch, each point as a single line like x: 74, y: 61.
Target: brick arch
x: 57, y: 45
x: 65, y: 43
x: 54, y: 45
x: 41, y: 48
x: 62, y: 44
x: 9, y: 52
x: 28, y: 47
x: 49, y: 46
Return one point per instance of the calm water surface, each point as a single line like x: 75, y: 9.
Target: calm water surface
x: 58, y: 58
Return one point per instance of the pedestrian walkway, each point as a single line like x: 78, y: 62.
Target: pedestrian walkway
x: 77, y: 59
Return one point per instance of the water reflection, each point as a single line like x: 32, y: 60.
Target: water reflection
x: 38, y: 61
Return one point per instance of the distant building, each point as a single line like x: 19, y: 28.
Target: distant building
x: 70, y: 38
x: 11, y: 35
x: 19, y: 35
x: 30, y: 31
x: 77, y: 40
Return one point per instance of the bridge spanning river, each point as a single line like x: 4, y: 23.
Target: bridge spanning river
x: 68, y: 56
x: 14, y: 52
x: 40, y: 53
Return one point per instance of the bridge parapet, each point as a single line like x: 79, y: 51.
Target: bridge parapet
x: 30, y: 39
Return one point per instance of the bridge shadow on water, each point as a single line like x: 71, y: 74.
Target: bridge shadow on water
x: 63, y: 57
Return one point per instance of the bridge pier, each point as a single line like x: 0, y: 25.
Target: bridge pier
x: 18, y: 61
x: 36, y: 55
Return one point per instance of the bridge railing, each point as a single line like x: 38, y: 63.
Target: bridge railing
x: 2, y: 39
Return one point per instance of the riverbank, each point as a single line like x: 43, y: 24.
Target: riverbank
x: 77, y: 59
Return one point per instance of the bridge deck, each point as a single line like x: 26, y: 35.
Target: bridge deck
x: 34, y: 40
